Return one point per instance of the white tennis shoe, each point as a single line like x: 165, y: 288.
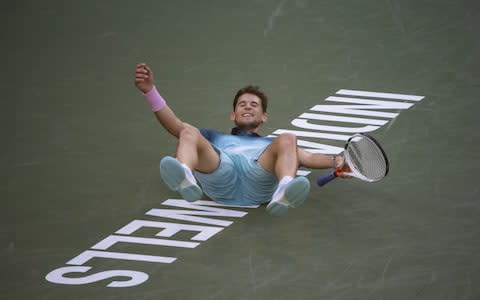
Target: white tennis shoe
x: 178, y: 179
x: 290, y: 195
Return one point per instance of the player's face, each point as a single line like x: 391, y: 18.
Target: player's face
x: 248, y: 113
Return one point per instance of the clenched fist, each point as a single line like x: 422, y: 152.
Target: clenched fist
x: 143, y: 78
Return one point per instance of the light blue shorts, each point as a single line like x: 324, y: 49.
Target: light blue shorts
x: 239, y: 180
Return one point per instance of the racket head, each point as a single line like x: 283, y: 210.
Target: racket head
x: 366, y: 158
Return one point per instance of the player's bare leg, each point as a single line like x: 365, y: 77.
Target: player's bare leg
x: 196, y: 152
x: 193, y: 153
x: 281, y: 157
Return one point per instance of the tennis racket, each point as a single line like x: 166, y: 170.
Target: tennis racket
x: 365, y: 158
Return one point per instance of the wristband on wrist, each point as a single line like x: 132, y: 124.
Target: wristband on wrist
x: 156, y: 101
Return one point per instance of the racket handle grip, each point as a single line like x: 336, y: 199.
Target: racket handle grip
x: 321, y: 181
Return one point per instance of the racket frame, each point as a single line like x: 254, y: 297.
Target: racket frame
x: 347, y: 159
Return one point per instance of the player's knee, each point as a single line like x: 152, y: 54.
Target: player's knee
x: 287, y: 140
x: 189, y: 133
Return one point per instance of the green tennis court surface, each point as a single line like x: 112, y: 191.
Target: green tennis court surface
x: 82, y: 201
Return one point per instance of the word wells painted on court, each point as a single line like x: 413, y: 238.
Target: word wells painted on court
x: 347, y: 113
x: 80, y: 269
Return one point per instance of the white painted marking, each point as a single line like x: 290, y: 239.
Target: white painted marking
x: 205, y: 232
x: 213, y: 203
x: 57, y: 276
x: 303, y: 173
x: 333, y: 118
x: 380, y: 95
x: 372, y: 104
x: 302, y: 123
x: 89, y: 254
x: 186, y: 215
x: 189, y: 215
x: 113, y: 239
x: 353, y: 110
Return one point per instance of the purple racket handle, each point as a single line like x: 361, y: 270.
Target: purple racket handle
x: 321, y: 181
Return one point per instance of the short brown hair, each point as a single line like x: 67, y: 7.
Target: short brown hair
x: 254, y: 90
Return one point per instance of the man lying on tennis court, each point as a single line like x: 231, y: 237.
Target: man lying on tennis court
x: 241, y: 168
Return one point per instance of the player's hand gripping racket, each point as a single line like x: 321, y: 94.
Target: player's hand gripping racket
x: 364, y: 157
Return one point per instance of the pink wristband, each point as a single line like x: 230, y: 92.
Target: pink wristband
x: 156, y: 101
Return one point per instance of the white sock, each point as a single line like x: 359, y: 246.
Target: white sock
x: 281, y: 185
x: 189, y: 174
x: 285, y: 180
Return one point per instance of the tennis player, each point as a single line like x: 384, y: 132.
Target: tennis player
x: 240, y: 168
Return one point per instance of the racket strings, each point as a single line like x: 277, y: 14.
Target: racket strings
x: 366, y: 158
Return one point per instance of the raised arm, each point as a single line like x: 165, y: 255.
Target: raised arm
x: 163, y: 113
